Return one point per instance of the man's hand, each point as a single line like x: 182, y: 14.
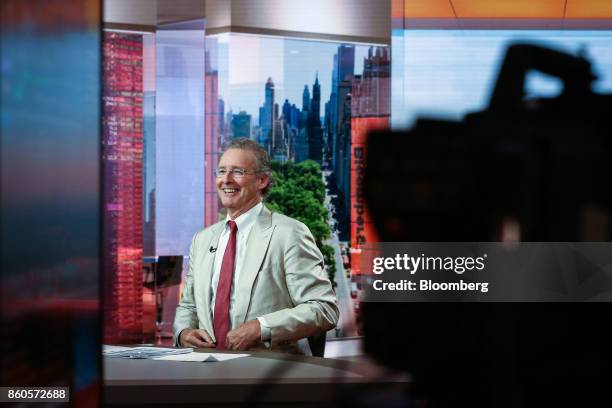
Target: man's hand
x: 244, y: 337
x: 197, y: 338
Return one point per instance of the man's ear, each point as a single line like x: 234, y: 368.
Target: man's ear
x: 264, y: 181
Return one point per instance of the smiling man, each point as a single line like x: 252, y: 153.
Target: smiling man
x: 255, y: 279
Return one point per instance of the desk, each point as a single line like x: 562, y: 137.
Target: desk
x: 263, y: 377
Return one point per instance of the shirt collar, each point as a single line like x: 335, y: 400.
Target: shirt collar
x: 248, y: 218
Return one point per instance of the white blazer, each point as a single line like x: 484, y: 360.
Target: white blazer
x: 282, y: 280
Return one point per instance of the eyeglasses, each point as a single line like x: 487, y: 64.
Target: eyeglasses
x: 236, y: 173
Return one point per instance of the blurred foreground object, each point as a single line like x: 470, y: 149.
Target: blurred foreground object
x: 522, y: 170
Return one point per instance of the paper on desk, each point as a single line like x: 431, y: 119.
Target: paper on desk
x: 110, y: 349
x: 202, y: 357
x: 141, y: 352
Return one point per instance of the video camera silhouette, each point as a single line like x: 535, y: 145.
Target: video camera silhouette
x: 542, y: 163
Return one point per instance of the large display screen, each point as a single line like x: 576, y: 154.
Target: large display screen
x: 448, y: 73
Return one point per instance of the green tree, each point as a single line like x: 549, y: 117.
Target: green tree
x: 299, y: 192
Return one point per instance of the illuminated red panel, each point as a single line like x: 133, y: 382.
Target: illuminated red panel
x: 362, y: 227
x: 522, y: 9
x: 122, y: 141
x: 546, y: 9
x: 586, y: 9
x: 428, y: 9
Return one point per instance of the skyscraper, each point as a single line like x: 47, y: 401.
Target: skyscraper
x: 346, y: 62
x: 301, y: 145
x: 342, y: 76
x: 241, y: 125
x: 315, y: 132
x: 287, y: 111
x: 342, y: 140
x: 280, y: 148
x: 315, y: 103
x: 372, y: 90
x: 306, y: 99
x: 295, y: 117
x: 266, y: 119
x: 326, y: 123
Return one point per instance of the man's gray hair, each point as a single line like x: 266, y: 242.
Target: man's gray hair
x: 262, y: 159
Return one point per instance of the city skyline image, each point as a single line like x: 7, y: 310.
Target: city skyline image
x: 245, y: 63
x: 302, y: 111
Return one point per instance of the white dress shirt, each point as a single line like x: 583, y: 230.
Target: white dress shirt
x: 245, y: 223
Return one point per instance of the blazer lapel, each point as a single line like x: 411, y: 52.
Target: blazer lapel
x: 257, y: 246
x: 206, y: 278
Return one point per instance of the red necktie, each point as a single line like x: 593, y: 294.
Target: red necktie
x: 221, y: 320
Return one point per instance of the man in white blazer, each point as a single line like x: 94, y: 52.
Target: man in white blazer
x: 256, y: 279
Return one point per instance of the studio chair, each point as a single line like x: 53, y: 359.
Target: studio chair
x: 317, y: 344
